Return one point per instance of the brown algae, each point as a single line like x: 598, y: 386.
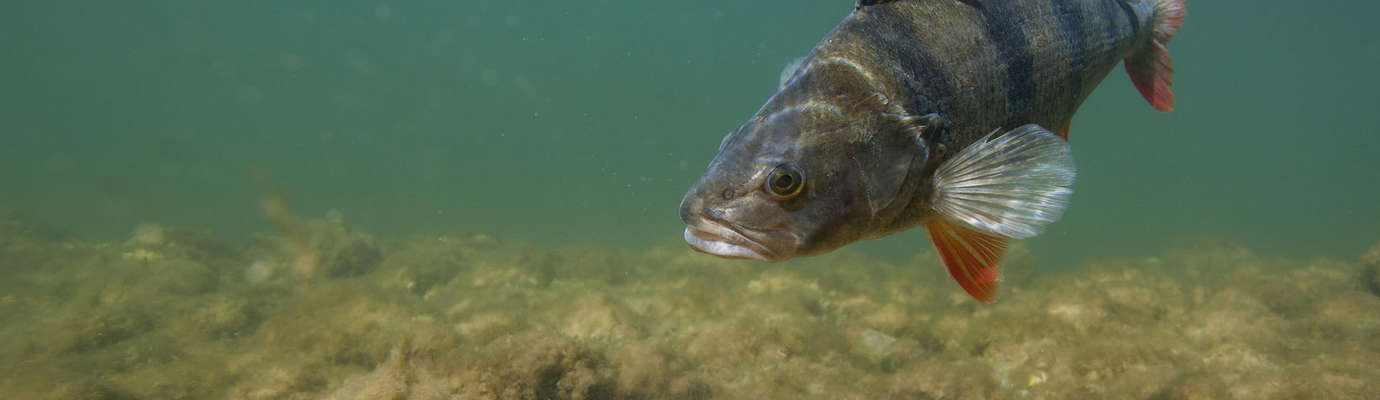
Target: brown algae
x: 469, y: 316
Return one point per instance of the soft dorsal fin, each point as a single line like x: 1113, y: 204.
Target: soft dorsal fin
x: 971, y: 257
x: 1151, y: 68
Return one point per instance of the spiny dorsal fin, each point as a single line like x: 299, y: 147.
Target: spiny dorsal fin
x: 865, y: 3
x: 789, y: 71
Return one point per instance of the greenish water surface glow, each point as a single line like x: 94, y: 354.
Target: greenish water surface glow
x: 564, y: 122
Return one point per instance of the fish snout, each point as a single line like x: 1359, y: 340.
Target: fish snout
x: 708, y: 230
x: 696, y: 207
x: 688, y: 205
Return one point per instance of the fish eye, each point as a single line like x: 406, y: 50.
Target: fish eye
x: 785, y: 182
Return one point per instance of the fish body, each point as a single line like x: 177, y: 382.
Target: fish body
x: 926, y: 112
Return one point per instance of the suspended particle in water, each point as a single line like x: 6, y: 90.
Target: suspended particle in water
x: 334, y: 216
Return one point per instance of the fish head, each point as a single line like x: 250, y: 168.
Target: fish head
x: 796, y: 180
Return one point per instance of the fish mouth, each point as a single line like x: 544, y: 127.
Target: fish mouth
x: 727, y: 242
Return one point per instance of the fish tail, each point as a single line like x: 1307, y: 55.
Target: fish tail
x: 1150, y: 67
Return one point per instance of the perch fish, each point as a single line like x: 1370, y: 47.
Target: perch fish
x: 934, y: 113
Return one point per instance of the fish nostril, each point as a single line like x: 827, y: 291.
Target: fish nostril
x: 714, y: 213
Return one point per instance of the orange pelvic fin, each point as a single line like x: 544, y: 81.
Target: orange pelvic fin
x: 1064, y: 133
x: 1151, y: 68
x: 972, y: 257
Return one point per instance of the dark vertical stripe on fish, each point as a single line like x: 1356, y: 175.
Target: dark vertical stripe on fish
x: 1108, y: 17
x: 1130, y: 16
x: 931, y: 81
x: 1004, y: 30
x: 1073, y: 30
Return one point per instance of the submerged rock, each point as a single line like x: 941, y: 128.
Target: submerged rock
x: 148, y: 234
x: 317, y: 249
x: 223, y: 316
x: 598, y: 318
x: 1370, y: 275
x: 344, y: 252
x: 875, y: 345
x: 404, y: 376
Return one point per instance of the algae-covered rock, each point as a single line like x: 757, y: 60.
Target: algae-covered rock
x: 197, y: 244
x: 1372, y: 255
x: 423, y: 263
x: 598, y: 318
x: 224, y: 316
x: 281, y: 380
x: 341, y: 323
x: 605, y: 265
x: 320, y: 248
x: 644, y: 369
x: 404, y: 376
x: 946, y: 380
x: 485, y: 327
x: 24, y: 244
x: 84, y: 332
x: 173, y: 276
x: 86, y: 388
x: 16, y: 225
x: 1372, y: 272
x: 544, y: 367
x: 873, y: 345
x: 343, y: 252
x: 1370, y: 275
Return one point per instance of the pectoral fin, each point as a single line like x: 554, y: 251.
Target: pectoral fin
x: 1010, y: 185
x: 999, y: 188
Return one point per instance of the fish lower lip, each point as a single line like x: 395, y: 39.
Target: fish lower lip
x: 724, y: 242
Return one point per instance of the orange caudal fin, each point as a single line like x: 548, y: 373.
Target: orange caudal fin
x: 971, y: 257
x: 1151, y: 68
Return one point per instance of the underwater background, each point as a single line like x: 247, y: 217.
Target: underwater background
x: 478, y: 199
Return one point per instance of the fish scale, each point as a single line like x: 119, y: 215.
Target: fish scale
x: 1018, y: 61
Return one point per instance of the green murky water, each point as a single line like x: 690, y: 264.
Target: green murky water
x: 481, y: 203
